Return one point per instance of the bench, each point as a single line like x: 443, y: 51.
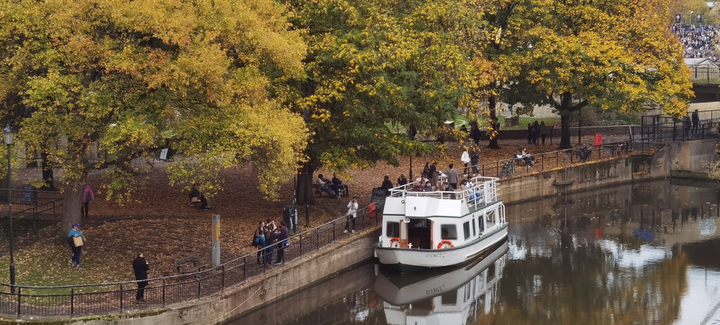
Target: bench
x: 195, y: 201
x: 190, y: 259
x: 317, y: 190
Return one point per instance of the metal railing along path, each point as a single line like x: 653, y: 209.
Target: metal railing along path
x: 118, y: 297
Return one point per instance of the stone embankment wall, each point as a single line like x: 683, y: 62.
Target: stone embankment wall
x: 688, y: 159
x: 683, y: 158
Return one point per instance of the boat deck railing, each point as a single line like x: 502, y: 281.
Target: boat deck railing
x: 483, y: 192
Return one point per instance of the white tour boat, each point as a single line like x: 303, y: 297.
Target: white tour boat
x: 440, y: 228
x: 460, y: 296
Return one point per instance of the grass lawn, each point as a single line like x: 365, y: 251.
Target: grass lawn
x: 49, y: 266
x: 459, y: 119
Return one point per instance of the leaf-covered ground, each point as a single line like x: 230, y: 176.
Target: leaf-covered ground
x: 162, y: 223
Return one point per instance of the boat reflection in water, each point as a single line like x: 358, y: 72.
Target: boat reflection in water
x: 446, y: 296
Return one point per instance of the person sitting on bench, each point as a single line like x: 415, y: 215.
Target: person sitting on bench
x: 338, y: 186
x: 195, y: 193
x: 324, y: 185
x: 528, y: 158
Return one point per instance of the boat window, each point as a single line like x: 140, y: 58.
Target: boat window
x: 466, y: 229
x: 448, y: 232
x: 490, y: 216
x: 449, y: 298
x: 481, y: 224
x: 393, y: 229
x: 474, y: 229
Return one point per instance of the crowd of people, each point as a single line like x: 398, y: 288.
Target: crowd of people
x: 265, y: 237
x: 699, y: 41
x: 432, y: 179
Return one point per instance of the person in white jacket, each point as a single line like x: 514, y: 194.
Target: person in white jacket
x: 465, y: 158
x: 351, y: 215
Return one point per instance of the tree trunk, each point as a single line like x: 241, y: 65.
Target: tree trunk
x: 72, y: 202
x: 565, y: 130
x: 47, y: 173
x: 566, y: 110
x: 494, y: 125
x: 304, y: 192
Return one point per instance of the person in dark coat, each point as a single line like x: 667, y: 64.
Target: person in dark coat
x: 140, y: 265
x: 536, y: 132
x: 284, y: 232
x: 475, y: 132
x: 195, y: 193
x: 530, y: 133
x: 387, y: 184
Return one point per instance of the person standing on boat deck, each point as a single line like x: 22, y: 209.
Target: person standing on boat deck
x: 452, y: 177
x: 465, y: 158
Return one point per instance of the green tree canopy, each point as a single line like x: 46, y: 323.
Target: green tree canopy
x: 125, y: 74
x: 609, y: 54
x: 374, y: 63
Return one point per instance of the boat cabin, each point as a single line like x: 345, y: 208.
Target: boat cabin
x: 441, y: 219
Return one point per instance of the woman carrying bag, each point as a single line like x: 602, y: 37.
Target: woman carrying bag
x: 76, y: 241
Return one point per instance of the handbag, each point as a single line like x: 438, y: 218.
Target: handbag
x: 77, y: 241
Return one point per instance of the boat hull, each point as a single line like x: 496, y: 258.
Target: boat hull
x: 399, y: 290
x: 408, y: 260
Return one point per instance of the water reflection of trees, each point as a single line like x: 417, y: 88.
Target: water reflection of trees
x: 583, y: 284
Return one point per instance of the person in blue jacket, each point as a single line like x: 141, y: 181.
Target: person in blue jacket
x: 77, y: 250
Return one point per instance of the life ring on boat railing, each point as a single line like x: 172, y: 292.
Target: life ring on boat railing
x: 445, y: 244
x: 395, y: 242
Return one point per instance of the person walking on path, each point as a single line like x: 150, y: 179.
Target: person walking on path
x: 543, y: 130
x: 465, y: 158
x: 140, y: 266
x: 77, y: 250
x: 475, y: 132
x: 259, y: 240
x: 474, y: 159
x: 452, y: 177
x: 535, y: 132
x: 530, y: 133
x: 695, y: 121
x: 433, y: 174
x: 351, y: 215
x: 88, y: 196
x: 282, y: 239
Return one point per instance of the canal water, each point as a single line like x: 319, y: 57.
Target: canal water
x: 645, y: 253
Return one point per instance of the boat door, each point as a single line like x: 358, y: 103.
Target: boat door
x: 404, y: 233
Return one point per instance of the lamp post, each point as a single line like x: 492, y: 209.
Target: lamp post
x: 8, y: 139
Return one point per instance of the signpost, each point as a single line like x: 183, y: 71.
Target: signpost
x: 216, y: 240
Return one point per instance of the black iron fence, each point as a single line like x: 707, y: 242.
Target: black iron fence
x: 515, y: 166
x: 119, y: 297
x: 38, y: 205
x: 705, y: 75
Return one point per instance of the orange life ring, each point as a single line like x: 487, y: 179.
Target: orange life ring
x: 445, y: 244
x: 395, y: 242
